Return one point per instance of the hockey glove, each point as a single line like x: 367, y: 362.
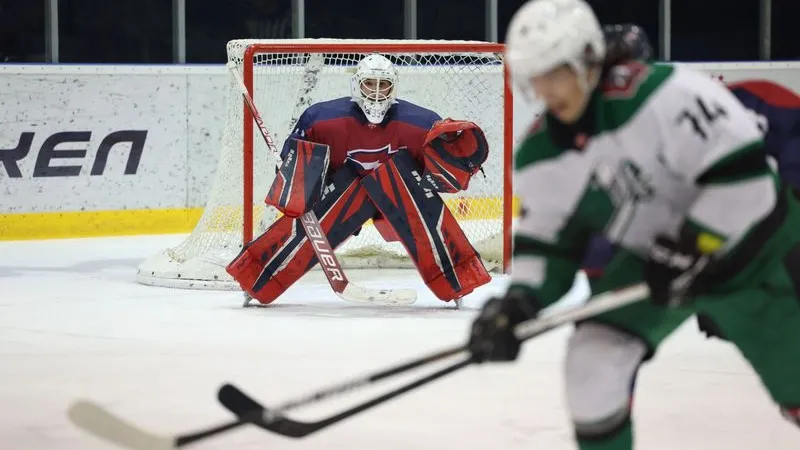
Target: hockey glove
x: 670, y: 270
x: 492, y: 337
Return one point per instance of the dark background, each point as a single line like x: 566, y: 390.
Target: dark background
x: 140, y: 31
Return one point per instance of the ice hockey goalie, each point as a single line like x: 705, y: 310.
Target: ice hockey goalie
x: 326, y: 169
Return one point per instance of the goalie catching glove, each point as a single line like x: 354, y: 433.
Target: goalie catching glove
x: 454, y: 151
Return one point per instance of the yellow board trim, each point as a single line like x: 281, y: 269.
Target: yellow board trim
x: 80, y: 224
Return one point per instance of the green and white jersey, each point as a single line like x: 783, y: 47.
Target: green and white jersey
x: 670, y: 147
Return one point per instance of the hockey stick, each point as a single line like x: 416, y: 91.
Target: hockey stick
x: 100, y: 422
x: 240, y: 403
x: 245, y: 406
x: 322, y: 247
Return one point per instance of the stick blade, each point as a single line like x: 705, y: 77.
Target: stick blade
x: 96, y: 420
x: 394, y: 297
x: 247, y: 408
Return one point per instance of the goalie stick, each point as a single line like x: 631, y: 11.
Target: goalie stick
x: 100, y: 422
x: 322, y: 248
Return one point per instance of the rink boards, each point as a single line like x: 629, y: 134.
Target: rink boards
x: 116, y: 150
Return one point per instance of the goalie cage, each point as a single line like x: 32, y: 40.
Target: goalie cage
x: 459, y: 79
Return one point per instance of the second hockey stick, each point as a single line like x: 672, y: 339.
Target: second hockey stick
x: 100, y: 422
x: 322, y: 248
x: 245, y: 407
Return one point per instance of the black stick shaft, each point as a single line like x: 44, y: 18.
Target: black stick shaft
x: 187, y: 439
x: 360, y: 382
x: 385, y: 397
x: 245, y: 406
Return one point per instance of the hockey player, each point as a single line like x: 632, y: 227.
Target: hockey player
x: 668, y: 165
x: 370, y: 156
x: 775, y: 107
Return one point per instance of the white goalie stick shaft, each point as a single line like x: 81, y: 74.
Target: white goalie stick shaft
x: 322, y: 248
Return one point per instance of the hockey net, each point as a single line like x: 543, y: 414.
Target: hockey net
x: 457, y: 79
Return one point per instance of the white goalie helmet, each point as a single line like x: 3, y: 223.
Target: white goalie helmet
x: 545, y: 34
x: 374, y: 86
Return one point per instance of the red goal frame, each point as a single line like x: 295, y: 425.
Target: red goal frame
x: 412, y: 47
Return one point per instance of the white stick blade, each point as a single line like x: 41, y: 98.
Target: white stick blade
x: 397, y: 297
x: 97, y: 421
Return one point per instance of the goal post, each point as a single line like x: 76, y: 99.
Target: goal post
x: 459, y: 79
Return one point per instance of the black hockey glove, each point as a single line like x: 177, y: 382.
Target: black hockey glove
x: 670, y: 270
x: 492, y: 337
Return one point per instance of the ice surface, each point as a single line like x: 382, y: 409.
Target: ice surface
x: 73, y: 324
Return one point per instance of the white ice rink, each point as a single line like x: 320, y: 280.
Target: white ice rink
x: 73, y: 324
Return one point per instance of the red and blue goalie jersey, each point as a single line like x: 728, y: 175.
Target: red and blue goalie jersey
x: 354, y: 141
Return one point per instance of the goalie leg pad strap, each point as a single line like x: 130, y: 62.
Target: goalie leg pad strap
x: 278, y: 258
x: 298, y: 183
x: 448, y: 263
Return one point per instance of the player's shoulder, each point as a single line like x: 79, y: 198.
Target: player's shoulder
x: 659, y: 92
x: 413, y: 114
x: 330, y: 109
x: 706, y: 123
x: 627, y: 88
x: 690, y: 89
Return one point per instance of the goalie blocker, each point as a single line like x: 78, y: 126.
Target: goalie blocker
x: 395, y: 193
x: 299, y: 181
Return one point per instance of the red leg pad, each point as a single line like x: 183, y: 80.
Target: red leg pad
x: 448, y: 263
x: 271, y: 263
x: 471, y: 273
x: 251, y: 263
x: 385, y: 229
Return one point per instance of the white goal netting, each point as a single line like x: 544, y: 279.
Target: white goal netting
x: 462, y: 80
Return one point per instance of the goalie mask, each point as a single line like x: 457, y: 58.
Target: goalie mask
x: 374, y: 87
